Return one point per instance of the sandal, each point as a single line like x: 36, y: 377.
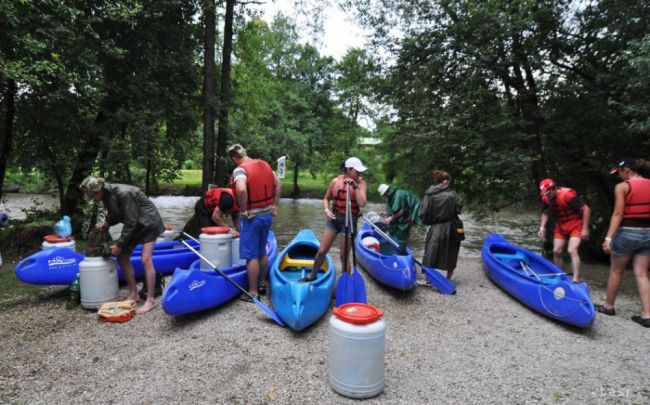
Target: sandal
x: 306, y: 279
x: 607, y: 311
x: 247, y: 298
x: 645, y: 322
x: 262, y: 288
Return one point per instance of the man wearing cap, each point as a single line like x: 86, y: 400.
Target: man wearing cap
x: 213, y: 205
x: 257, y: 190
x: 402, y: 210
x: 571, y: 221
x: 142, y: 224
x: 337, y: 192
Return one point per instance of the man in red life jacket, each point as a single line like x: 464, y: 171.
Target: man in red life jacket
x: 213, y: 205
x: 571, y: 221
x: 257, y: 190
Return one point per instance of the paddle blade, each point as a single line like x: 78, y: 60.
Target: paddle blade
x: 440, y: 282
x: 344, y: 290
x: 359, y: 287
x: 269, y: 312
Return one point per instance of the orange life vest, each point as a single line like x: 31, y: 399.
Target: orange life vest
x: 637, y: 201
x: 338, y: 193
x: 213, y: 196
x: 560, y: 205
x: 260, y: 182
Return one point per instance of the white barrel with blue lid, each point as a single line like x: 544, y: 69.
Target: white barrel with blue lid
x: 357, y: 335
x: 216, y: 246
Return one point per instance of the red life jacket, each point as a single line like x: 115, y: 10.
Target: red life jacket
x: 560, y: 205
x: 338, y: 191
x: 260, y: 182
x: 213, y: 196
x: 637, y: 201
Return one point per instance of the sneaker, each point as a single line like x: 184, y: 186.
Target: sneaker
x: 645, y: 322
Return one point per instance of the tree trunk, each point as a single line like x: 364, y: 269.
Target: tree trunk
x: 147, y: 187
x: 224, y: 97
x: 296, y: 189
x: 209, y: 17
x: 8, y: 135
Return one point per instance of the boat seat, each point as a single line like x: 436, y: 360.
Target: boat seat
x: 511, y: 259
x: 297, y: 263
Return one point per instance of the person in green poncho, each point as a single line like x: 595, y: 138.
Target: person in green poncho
x: 401, y: 211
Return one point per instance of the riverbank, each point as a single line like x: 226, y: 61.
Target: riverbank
x: 479, y: 346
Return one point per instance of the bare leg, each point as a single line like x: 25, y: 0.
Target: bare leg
x: 149, y: 278
x: 125, y: 263
x: 450, y: 273
x: 574, y: 244
x: 326, y: 242
x: 558, y: 248
x: 641, y: 264
x: 253, y: 271
x: 264, y: 267
x: 345, y: 260
x: 616, y: 269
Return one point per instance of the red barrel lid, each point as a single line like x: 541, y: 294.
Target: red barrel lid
x: 53, y: 238
x: 169, y: 227
x: 360, y: 314
x: 215, y: 230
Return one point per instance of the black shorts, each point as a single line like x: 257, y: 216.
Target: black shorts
x: 142, y: 235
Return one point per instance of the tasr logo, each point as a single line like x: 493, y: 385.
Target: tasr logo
x: 60, y: 261
x: 196, y: 284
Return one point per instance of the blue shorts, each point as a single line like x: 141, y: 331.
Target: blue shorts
x: 338, y: 225
x: 253, y: 234
x: 630, y: 242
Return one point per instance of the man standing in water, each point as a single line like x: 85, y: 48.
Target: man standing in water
x: 257, y: 190
x: 571, y: 221
x: 142, y: 224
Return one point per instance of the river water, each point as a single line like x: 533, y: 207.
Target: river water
x: 293, y: 215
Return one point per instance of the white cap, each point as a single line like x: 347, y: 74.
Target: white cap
x: 355, y: 163
x: 383, y: 188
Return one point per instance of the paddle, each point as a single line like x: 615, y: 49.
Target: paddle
x: 257, y: 302
x: 527, y: 269
x: 351, y: 287
x: 440, y: 282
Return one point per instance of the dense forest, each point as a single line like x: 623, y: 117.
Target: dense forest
x: 501, y: 93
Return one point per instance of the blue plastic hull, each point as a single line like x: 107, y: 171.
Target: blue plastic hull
x: 195, y: 290
x: 554, y: 295
x: 301, y: 304
x: 61, y: 265
x: 394, y: 270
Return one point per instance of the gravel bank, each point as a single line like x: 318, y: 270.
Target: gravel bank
x: 480, y: 346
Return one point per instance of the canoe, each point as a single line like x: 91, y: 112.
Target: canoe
x: 195, y: 290
x: 536, y: 282
x: 301, y: 304
x: 386, y: 266
x: 60, y: 266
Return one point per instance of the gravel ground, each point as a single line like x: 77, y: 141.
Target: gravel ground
x: 479, y: 346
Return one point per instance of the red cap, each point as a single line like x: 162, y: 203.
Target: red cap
x: 215, y: 230
x: 54, y: 238
x: 359, y: 314
x: 545, y: 186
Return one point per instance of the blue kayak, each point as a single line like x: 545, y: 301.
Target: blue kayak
x: 196, y: 290
x: 61, y: 265
x: 536, y: 282
x: 387, y: 266
x: 301, y: 304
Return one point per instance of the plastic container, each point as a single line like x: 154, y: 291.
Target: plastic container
x: 98, y: 282
x: 357, y: 348
x: 53, y: 241
x: 167, y: 235
x: 236, y: 261
x: 216, y: 246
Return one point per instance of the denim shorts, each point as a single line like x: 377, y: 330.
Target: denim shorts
x: 338, y: 225
x: 629, y: 242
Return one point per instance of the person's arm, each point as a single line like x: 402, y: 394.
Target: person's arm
x: 542, y: 223
x: 326, y: 201
x: 242, y: 195
x: 217, y: 218
x: 586, y: 215
x: 277, y: 193
x: 620, y: 191
x: 235, y: 221
x: 361, y: 193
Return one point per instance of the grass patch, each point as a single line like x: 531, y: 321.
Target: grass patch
x: 189, y: 178
x: 10, y: 286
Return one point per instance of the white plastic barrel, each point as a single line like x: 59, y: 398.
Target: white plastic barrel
x: 357, y: 347
x: 98, y: 282
x: 216, y: 246
x: 53, y: 241
x: 236, y: 261
x: 167, y: 235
